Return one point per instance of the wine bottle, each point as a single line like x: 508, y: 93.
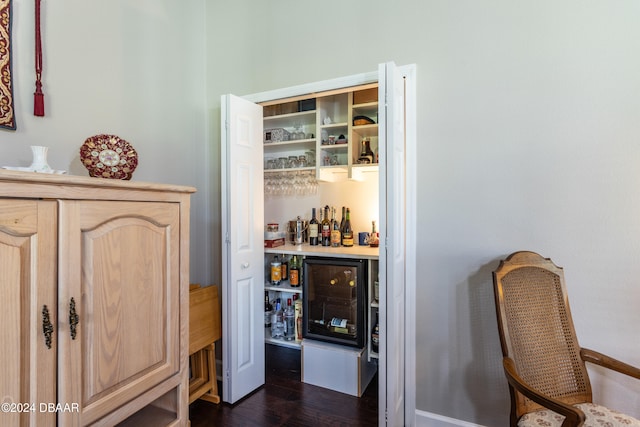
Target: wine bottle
x: 326, y: 227
x: 342, y: 220
x: 336, y: 236
x: 294, y: 272
x: 347, y: 232
x: 289, y: 318
x: 375, y: 336
x: 268, y: 310
x: 313, y: 228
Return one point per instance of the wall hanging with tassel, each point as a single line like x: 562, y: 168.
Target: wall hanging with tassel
x: 38, y: 96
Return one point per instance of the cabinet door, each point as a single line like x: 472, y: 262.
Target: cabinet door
x: 28, y: 288
x: 119, y: 272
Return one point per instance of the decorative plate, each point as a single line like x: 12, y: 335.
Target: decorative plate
x: 108, y: 156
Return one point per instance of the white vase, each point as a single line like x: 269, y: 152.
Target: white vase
x: 40, y: 159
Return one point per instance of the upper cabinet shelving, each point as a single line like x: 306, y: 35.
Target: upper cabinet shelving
x: 324, y: 133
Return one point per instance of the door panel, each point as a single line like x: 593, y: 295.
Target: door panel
x: 243, y: 249
x: 122, y: 275
x: 393, y: 234
x: 28, y: 289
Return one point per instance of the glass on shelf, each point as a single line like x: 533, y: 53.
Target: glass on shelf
x: 298, y: 133
x: 291, y: 183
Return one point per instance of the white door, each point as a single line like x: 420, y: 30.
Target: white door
x: 391, y: 140
x: 243, y: 248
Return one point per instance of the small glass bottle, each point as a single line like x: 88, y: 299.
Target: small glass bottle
x: 276, y: 271
x: 374, y: 238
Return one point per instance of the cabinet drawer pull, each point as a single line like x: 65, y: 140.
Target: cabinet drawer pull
x: 73, y: 318
x: 47, y: 327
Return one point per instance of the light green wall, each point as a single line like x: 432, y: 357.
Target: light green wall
x: 133, y: 68
x: 528, y: 135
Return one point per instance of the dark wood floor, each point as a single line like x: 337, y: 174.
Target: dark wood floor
x: 285, y: 401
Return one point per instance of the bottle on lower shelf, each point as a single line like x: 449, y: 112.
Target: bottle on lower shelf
x: 375, y: 336
x: 268, y: 310
x: 289, y: 322
x: 277, y: 322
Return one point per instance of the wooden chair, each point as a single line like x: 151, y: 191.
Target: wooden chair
x: 544, y: 365
x: 204, y: 331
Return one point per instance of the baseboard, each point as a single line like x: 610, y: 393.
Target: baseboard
x: 427, y: 419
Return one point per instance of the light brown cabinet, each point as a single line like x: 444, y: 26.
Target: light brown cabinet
x: 95, y: 288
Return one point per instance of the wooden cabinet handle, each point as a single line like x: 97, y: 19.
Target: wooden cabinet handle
x: 73, y: 318
x: 47, y: 326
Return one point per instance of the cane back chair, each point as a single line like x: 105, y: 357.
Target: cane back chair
x: 543, y: 362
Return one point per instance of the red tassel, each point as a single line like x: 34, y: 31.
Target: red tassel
x: 38, y: 101
x: 38, y: 96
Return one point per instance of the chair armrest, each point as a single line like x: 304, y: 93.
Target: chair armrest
x: 609, y: 362
x: 574, y: 417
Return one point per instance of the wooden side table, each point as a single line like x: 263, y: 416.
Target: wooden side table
x: 204, y: 331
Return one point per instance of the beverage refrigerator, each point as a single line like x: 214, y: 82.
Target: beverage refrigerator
x: 335, y: 300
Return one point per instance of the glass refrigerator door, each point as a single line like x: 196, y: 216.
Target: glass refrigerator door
x: 334, y: 295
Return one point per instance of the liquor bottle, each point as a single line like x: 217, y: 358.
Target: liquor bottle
x: 326, y: 227
x: 347, y: 232
x: 375, y: 336
x: 268, y: 310
x: 342, y: 220
x: 277, y: 322
x: 366, y: 155
x: 374, y: 239
x: 336, y: 236
x: 294, y: 272
x: 276, y: 271
x: 289, y: 322
x: 297, y: 308
x: 313, y: 228
x: 285, y: 269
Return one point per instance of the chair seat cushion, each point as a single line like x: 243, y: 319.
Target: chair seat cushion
x: 596, y: 416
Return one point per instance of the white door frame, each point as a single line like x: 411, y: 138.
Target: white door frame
x: 409, y: 72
